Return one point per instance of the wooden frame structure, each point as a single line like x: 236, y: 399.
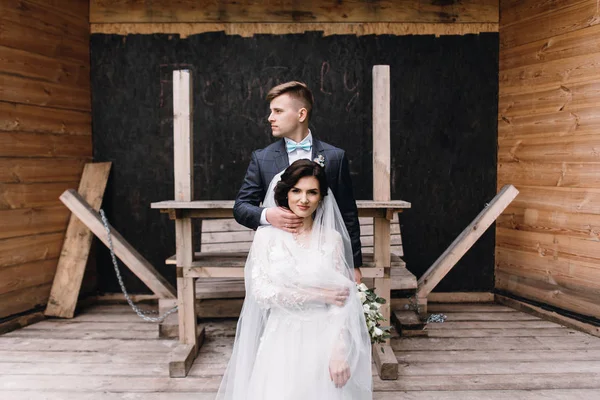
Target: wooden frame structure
x: 183, y: 209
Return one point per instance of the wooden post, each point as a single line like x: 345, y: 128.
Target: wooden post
x: 383, y: 355
x: 381, y: 179
x: 76, y: 247
x: 184, y: 190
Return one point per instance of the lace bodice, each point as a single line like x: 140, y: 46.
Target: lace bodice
x: 283, y: 269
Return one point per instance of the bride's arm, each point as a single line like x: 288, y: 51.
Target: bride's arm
x: 268, y: 293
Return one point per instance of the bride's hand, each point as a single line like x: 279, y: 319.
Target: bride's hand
x: 335, y: 297
x: 339, y: 372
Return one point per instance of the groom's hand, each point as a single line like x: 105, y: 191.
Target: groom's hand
x: 283, y: 219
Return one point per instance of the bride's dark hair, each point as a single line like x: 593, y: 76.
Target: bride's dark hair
x: 291, y: 176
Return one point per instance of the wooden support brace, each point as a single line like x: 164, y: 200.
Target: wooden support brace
x: 385, y: 361
x: 465, y: 240
x: 76, y: 247
x: 126, y: 253
x: 183, y: 356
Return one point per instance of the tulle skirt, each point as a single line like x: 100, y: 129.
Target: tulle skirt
x: 292, y: 362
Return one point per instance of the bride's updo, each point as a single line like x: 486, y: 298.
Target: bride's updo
x: 291, y: 176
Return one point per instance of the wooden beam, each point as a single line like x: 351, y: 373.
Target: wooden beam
x: 238, y: 272
x: 249, y: 29
x: 465, y: 240
x: 549, y: 315
x: 381, y: 133
x: 460, y: 297
x: 130, y: 257
x: 183, y: 159
x: 544, y: 289
x: 329, y: 11
x: 20, y: 322
x: 409, y: 323
x: 381, y: 178
x: 76, y: 246
x: 385, y: 361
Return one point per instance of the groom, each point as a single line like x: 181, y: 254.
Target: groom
x: 291, y: 105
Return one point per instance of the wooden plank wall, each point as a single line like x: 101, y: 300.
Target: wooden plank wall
x: 548, y: 241
x: 246, y: 18
x: 45, y: 139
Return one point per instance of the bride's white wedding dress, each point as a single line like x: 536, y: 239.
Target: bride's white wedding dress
x: 298, y: 341
x: 287, y: 335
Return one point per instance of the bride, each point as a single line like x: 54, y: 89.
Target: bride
x: 302, y: 332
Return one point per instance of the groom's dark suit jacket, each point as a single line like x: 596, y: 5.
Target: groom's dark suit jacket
x: 268, y: 162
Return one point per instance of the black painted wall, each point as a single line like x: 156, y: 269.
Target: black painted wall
x: 443, y: 122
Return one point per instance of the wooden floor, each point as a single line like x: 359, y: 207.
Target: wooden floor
x: 483, y: 352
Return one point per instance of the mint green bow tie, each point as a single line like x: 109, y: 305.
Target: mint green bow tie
x: 302, y: 145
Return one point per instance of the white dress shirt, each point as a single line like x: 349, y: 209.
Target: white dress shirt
x: 295, y: 155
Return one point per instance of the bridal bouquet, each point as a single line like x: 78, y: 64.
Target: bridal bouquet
x: 371, y: 304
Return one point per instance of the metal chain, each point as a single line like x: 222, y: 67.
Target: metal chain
x: 141, y: 313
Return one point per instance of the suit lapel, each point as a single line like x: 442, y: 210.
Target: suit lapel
x: 317, y: 149
x: 281, y: 158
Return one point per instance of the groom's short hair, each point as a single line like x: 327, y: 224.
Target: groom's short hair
x: 297, y: 90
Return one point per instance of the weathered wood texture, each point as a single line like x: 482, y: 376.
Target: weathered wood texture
x: 76, y: 247
x: 139, y: 11
x: 45, y: 139
x: 247, y: 29
x: 108, y: 353
x: 248, y: 18
x: 548, y: 129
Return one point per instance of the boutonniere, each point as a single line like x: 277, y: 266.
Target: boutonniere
x: 320, y: 160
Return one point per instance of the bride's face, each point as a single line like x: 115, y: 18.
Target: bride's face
x: 304, y: 197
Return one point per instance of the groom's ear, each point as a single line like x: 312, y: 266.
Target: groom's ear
x: 302, y: 114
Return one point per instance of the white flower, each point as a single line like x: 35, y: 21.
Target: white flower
x: 377, y: 331
x: 366, y: 308
x: 362, y: 287
x: 320, y: 160
x: 362, y: 296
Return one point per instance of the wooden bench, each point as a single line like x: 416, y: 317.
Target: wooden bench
x: 228, y: 242
x: 224, y: 248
